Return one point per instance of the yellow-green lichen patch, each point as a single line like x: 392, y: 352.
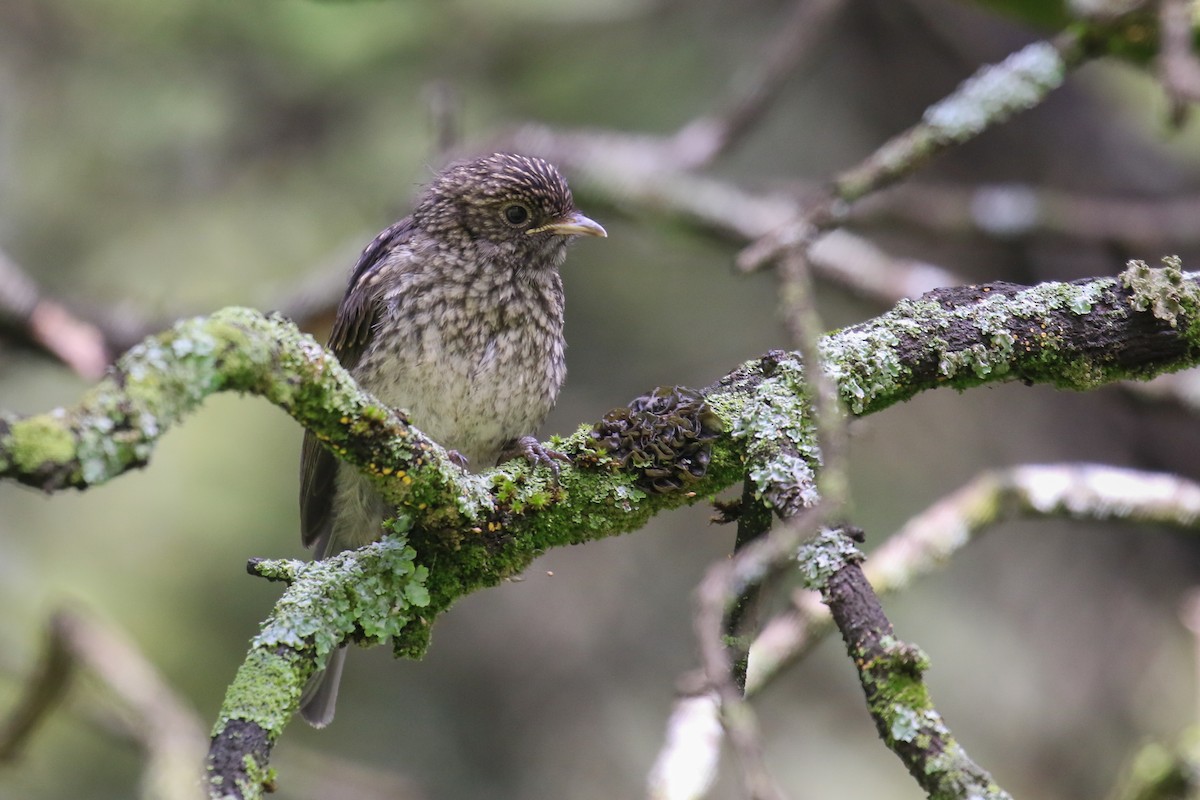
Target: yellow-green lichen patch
x: 266, y: 689
x: 258, y: 779
x: 37, y: 441
x: 898, y: 695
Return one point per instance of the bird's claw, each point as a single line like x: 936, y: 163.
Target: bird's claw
x: 534, y: 452
x: 457, y: 459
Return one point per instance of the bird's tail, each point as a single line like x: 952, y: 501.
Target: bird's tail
x: 319, y: 699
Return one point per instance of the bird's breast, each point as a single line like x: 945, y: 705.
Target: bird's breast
x: 474, y: 368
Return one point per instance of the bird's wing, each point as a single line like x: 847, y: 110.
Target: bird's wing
x: 351, y: 330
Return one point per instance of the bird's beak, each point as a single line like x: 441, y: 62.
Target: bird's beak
x: 574, y: 224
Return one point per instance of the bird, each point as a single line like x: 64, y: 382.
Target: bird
x: 453, y: 314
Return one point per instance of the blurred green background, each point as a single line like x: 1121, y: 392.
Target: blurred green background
x: 172, y: 158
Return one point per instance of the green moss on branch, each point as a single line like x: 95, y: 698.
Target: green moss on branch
x: 472, y: 531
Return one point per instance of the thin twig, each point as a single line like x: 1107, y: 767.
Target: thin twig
x: 722, y: 581
x: 705, y: 138
x: 1013, y: 210
x: 685, y: 767
x: 754, y: 522
x: 43, y: 691
x: 990, y: 97
x: 49, y: 325
x: 928, y: 541
x: 1178, y: 66
x: 169, y: 733
x: 892, y: 676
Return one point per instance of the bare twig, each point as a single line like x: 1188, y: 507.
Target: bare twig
x: 49, y: 325
x: 778, y: 474
x: 45, y: 688
x: 705, y: 138
x: 805, y: 326
x: 1008, y: 211
x: 686, y: 766
x: 991, y: 96
x: 730, y: 579
x: 168, y: 732
x: 754, y: 522
x: 1178, y: 66
x: 929, y: 540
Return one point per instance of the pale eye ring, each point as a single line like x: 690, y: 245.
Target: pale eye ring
x: 516, y: 214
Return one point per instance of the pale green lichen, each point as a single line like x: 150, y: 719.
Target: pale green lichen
x: 827, y: 553
x: 864, y: 362
x: 958, y: 778
x: 980, y: 359
x: 258, y: 779
x: 911, y: 657
x: 786, y: 469
x: 378, y: 591
x: 104, y: 447
x: 1084, y: 298
x: 375, y: 591
x: 780, y: 437
x: 1002, y: 346
x: 997, y: 92
x: 1163, y: 292
x: 266, y: 690
x: 905, y: 724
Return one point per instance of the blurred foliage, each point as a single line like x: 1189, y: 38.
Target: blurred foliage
x: 1047, y: 14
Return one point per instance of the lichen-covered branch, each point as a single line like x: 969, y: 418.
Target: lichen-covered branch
x: 891, y: 674
x: 928, y: 541
x: 370, y: 595
x: 472, y: 531
x: 1077, y: 335
x: 992, y: 96
x: 782, y: 460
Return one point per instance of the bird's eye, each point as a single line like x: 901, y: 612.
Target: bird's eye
x: 516, y: 214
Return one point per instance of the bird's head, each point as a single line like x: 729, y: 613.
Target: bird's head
x: 518, y: 209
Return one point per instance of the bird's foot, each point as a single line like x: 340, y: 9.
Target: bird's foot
x: 457, y: 459
x: 533, y: 452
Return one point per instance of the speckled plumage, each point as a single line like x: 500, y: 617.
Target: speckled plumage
x: 454, y: 314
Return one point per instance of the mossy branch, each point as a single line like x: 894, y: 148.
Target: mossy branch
x: 892, y: 676
x: 465, y: 532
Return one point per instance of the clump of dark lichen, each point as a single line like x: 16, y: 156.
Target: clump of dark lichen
x: 665, y: 436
